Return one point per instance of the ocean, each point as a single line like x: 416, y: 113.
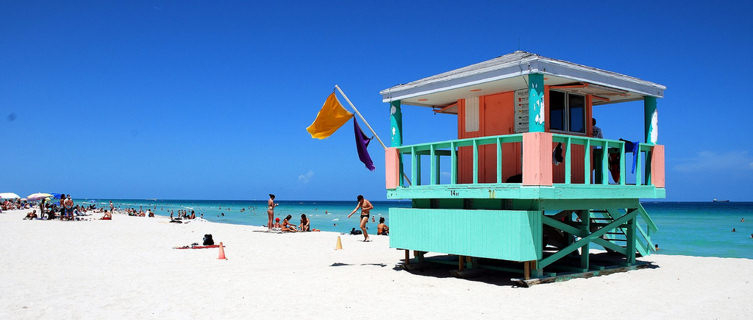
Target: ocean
x: 685, y: 228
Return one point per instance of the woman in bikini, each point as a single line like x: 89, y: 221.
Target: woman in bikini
x: 365, y: 206
x: 305, y: 223
x: 287, y: 226
x: 271, y: 211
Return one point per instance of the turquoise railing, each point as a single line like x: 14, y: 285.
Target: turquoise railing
x: 449, y: 148
x: 604, y: 144
x: 436, y: 150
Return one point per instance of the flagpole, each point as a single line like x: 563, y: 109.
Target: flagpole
x: 367, y: 124
x: 361, y: 116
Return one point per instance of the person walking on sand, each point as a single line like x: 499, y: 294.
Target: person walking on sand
x: 365, y: 206
x: 271, y: 211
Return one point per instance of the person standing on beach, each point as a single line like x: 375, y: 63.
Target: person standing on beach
x: 69, y: 207
x: 271, y: 211
x: 112, y: 207
x: 365, y: 206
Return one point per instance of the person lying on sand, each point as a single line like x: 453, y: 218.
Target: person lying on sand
x: 31, y: 215
x: 286, y: 226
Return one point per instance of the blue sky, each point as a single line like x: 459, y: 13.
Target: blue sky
x: 210, y: 100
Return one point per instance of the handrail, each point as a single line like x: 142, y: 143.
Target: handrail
x: 450, y: 148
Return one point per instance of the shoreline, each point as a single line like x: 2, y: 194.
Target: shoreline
x: 127, y: 267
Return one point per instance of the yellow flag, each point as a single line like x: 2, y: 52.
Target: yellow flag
x: 330, y: 118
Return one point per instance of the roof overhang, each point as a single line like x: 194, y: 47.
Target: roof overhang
x: 508, y: 72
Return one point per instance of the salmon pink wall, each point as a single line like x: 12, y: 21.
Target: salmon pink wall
x: 496, y: 117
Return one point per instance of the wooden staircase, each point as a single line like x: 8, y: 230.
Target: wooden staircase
x: 618, y: 236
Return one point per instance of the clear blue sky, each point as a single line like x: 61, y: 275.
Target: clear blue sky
x: 210, y: 99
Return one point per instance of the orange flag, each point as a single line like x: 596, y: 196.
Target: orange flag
x: 330, y: 118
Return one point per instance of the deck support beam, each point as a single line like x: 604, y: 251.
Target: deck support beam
x: 585, y: 218
x: 630, y: 247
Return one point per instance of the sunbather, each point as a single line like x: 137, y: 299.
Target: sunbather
x: 286, y: 226
x: 305, y: 223
x: 31, y: 215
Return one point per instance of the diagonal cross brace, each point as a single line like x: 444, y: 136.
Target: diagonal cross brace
x: 580, y: 233
x: 589, y: 238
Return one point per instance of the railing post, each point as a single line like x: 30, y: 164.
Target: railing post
x: 622, y: 163
x: 638, y: 164
x: 475, y: 161
x: 657, y: 166
x: 568, y: 163
x: 433, y: 165
x: 587, y: 162
x: 499, y: 160
x: 605, y: 164
x: 418, y: 170
x: 392, y: 168
x: 413, y: 166
x: 453, y: 164
x: 537, y: 159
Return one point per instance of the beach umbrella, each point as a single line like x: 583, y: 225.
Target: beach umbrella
x: 8, y: 195
x: 38, y: 196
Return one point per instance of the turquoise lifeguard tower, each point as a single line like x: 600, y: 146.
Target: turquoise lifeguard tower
x: 528, y: 189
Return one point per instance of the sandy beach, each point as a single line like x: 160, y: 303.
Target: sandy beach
x: 127, y: 268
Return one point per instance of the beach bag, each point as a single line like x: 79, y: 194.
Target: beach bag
x: 354, y: 231
x: 208, y: 240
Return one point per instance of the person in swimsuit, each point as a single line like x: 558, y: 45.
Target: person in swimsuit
x: 382, y: 229
x: 365, y: 206
x: 287, y: 226
x: 271, y: 211
x: 305, y: 223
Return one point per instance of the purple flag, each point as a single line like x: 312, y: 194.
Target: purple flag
x: 362, y: 142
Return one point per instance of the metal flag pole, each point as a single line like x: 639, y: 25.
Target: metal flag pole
x: 360, y: 116
x: 367, y: 124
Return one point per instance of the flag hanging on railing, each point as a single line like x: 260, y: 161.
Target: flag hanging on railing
x: 362, y: 142
x: 330, y: 118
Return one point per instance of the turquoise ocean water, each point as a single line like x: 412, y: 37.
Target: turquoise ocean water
x: 685, y: 228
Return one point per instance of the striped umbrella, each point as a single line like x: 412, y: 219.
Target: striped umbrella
x: 8, y: 195
x: 38, y: 196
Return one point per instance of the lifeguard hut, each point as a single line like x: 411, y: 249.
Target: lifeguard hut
x: 529, y: 186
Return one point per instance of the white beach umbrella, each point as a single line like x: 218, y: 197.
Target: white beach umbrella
x: 8, y: 195
x: 38, y: 196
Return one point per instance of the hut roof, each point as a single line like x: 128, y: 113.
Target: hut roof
x: 507, y: 73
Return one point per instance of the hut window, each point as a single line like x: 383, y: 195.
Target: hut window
x: 567, y: 112
x: 471, y: 114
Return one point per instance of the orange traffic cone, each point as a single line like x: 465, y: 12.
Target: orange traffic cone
x: 222, y: 252
x: 339, y: 245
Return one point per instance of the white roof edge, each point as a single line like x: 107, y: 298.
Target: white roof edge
x: 527, y: 63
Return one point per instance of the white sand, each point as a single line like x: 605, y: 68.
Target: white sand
x: 126, y: 268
